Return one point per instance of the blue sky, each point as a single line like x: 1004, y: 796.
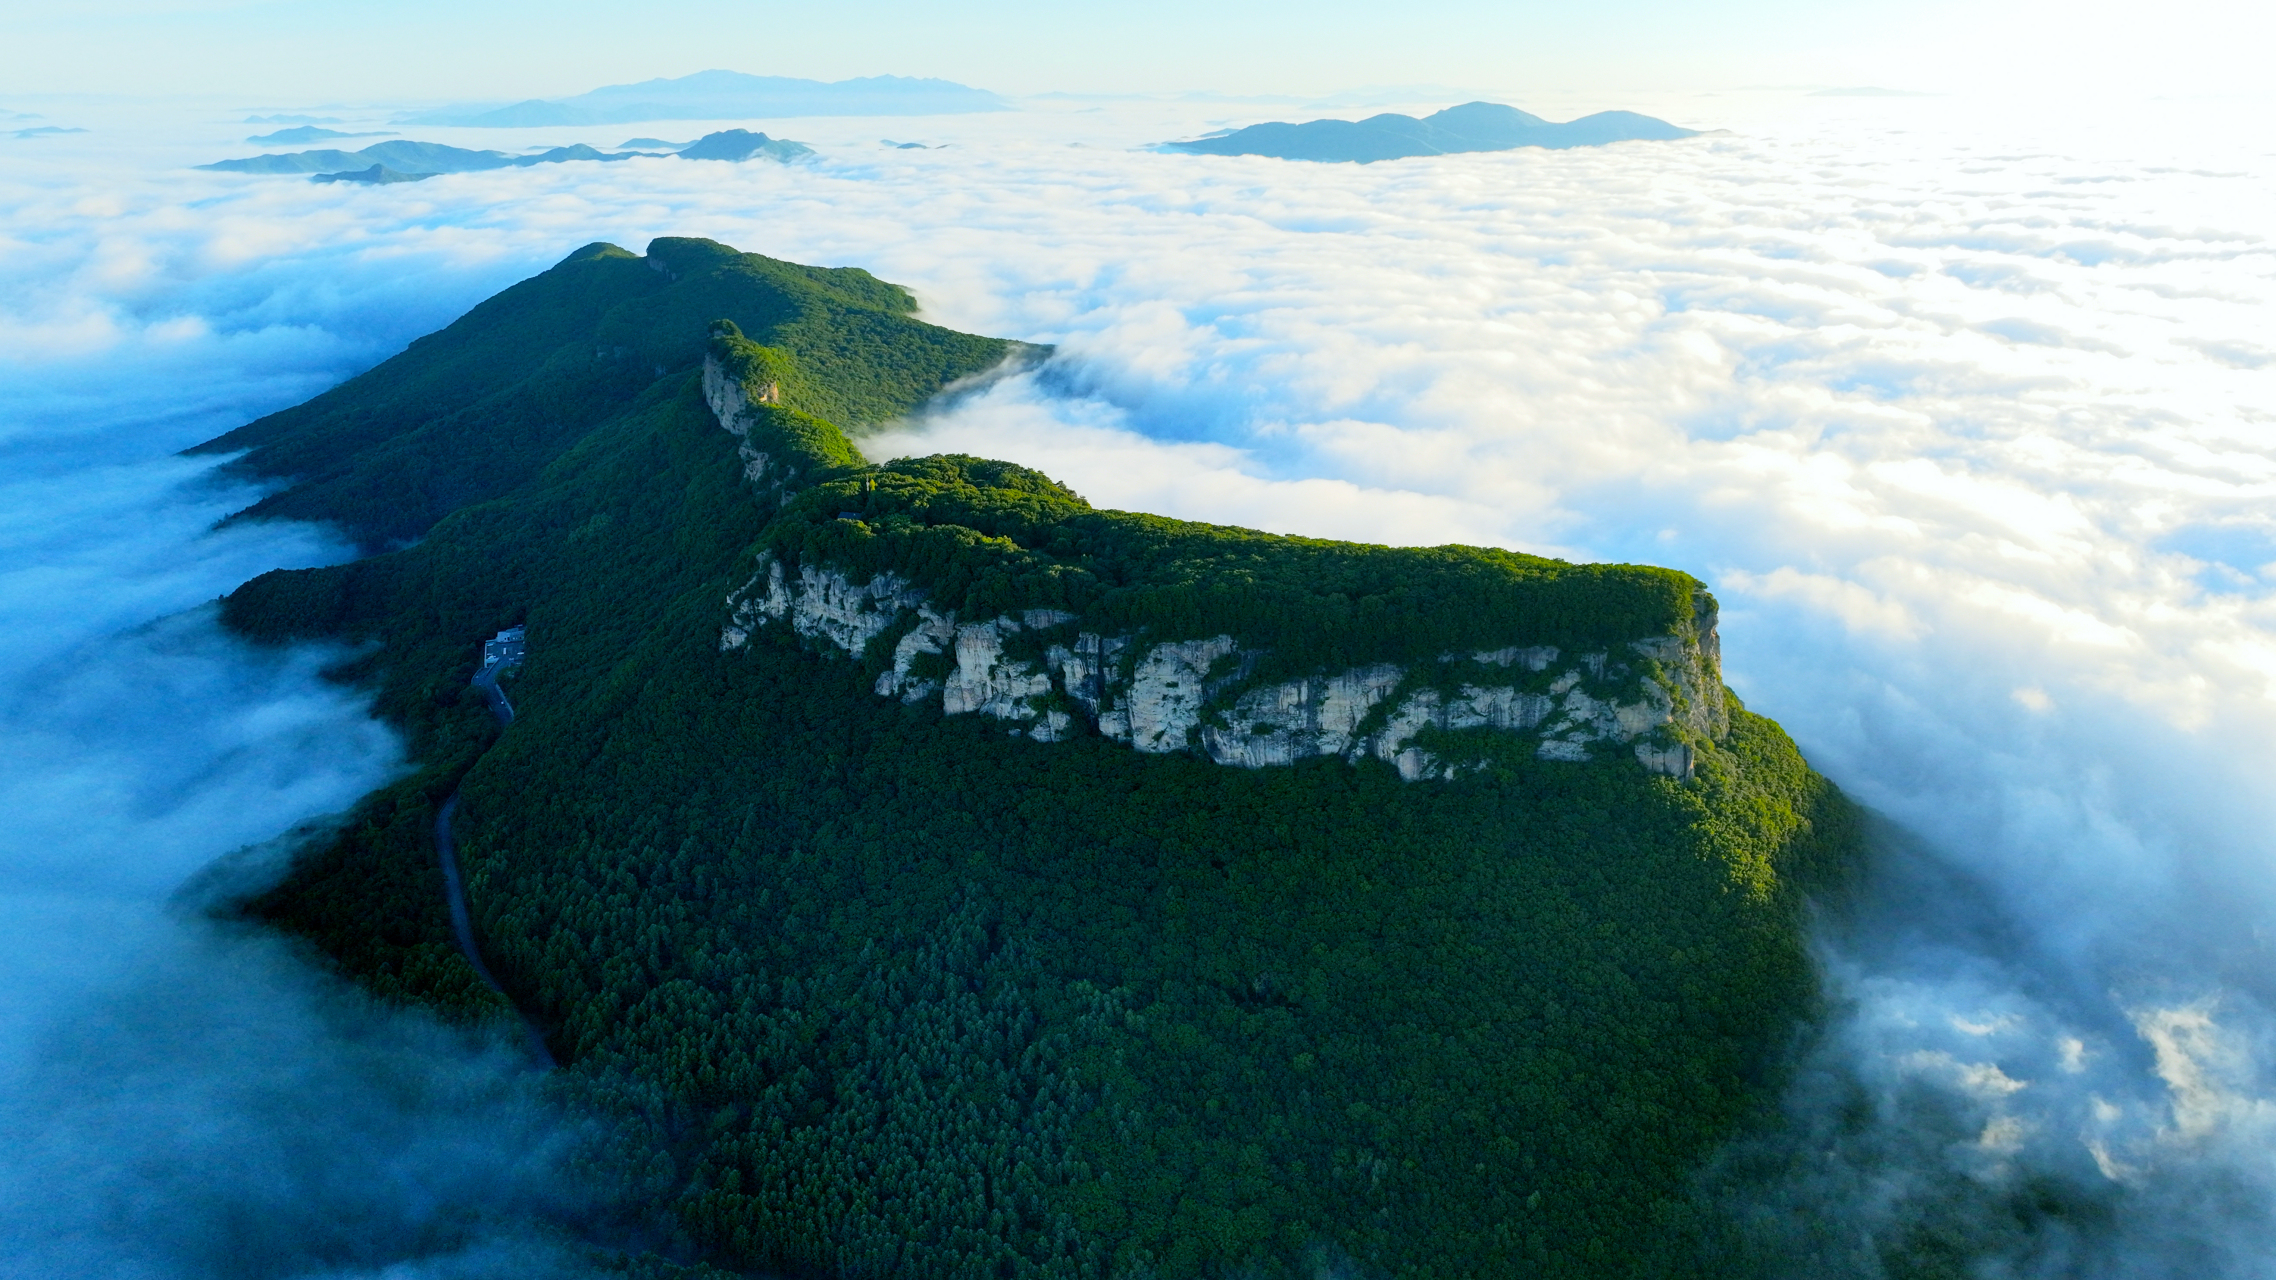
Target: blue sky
x: 429, y: 49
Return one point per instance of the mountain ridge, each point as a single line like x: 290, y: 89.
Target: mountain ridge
x: 873, y: 985
x: 1655, y: 688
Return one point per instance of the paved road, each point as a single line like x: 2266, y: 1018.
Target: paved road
x: 487, y: 681
x: 454, y: 886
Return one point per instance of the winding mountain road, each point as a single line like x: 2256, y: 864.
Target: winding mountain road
x: 487, y: 681
x: 454, y: 885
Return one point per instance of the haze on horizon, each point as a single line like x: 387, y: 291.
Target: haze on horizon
x: 427, y: 51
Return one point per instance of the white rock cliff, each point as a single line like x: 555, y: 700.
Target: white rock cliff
x: 1653, y: 698
x: 733, y: 407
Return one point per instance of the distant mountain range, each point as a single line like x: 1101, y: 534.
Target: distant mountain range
x: 726, y: 95
x: 1473, y: 126
x: 310, y: 133
x: 407, y: 159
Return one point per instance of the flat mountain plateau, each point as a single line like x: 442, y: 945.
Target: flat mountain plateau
x: 928, y: 873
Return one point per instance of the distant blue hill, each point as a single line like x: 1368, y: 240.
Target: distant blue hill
x: 377, y: 175
x: 1473, y: 126
x: 310, y: 133
x: 742, y: 144
x: 726, y: 95
x: 402, y: 156
x: 407, y: 159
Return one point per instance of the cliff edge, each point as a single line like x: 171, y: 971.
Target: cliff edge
x: 1045, y: 673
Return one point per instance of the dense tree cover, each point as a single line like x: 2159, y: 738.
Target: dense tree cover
x: 920, y: 998
x: 875, y: 991
x: 476, y: 409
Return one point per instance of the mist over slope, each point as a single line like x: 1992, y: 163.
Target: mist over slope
x: 1965, y: 427
x: 183, y: 1099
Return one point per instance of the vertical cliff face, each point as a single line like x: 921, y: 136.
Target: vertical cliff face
x: 1042, y: 671
x: 1652, y: 698
x: 736, y: 404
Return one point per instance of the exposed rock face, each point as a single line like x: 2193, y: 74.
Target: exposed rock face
x: 1162, y: 705
x: 1282, y: 723
x: 732, y: 406
x: 819, y: 604
x: 1653, y: 698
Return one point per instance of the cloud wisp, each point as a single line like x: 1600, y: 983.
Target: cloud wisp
x: 1965, y: 424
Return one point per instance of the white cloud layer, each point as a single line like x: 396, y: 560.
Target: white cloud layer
x: 179, y: 1099
x: 1968, y: 424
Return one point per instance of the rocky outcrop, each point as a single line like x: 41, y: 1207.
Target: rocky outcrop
x: 819, y: 604
x: 734, y: 405
x: 979, y: 677
x: 1162, y: 703
x: 1653, y: 698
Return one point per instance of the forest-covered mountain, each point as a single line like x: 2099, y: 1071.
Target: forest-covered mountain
x: 936, y: 875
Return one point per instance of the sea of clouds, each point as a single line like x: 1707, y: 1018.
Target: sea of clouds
x: 1965, y: 415
x: 180, y: 1098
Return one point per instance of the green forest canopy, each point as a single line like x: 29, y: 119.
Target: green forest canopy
x: 476, y: 410
x: 878, y: 991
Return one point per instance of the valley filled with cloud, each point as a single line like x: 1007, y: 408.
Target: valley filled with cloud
x: 1966, y: 418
